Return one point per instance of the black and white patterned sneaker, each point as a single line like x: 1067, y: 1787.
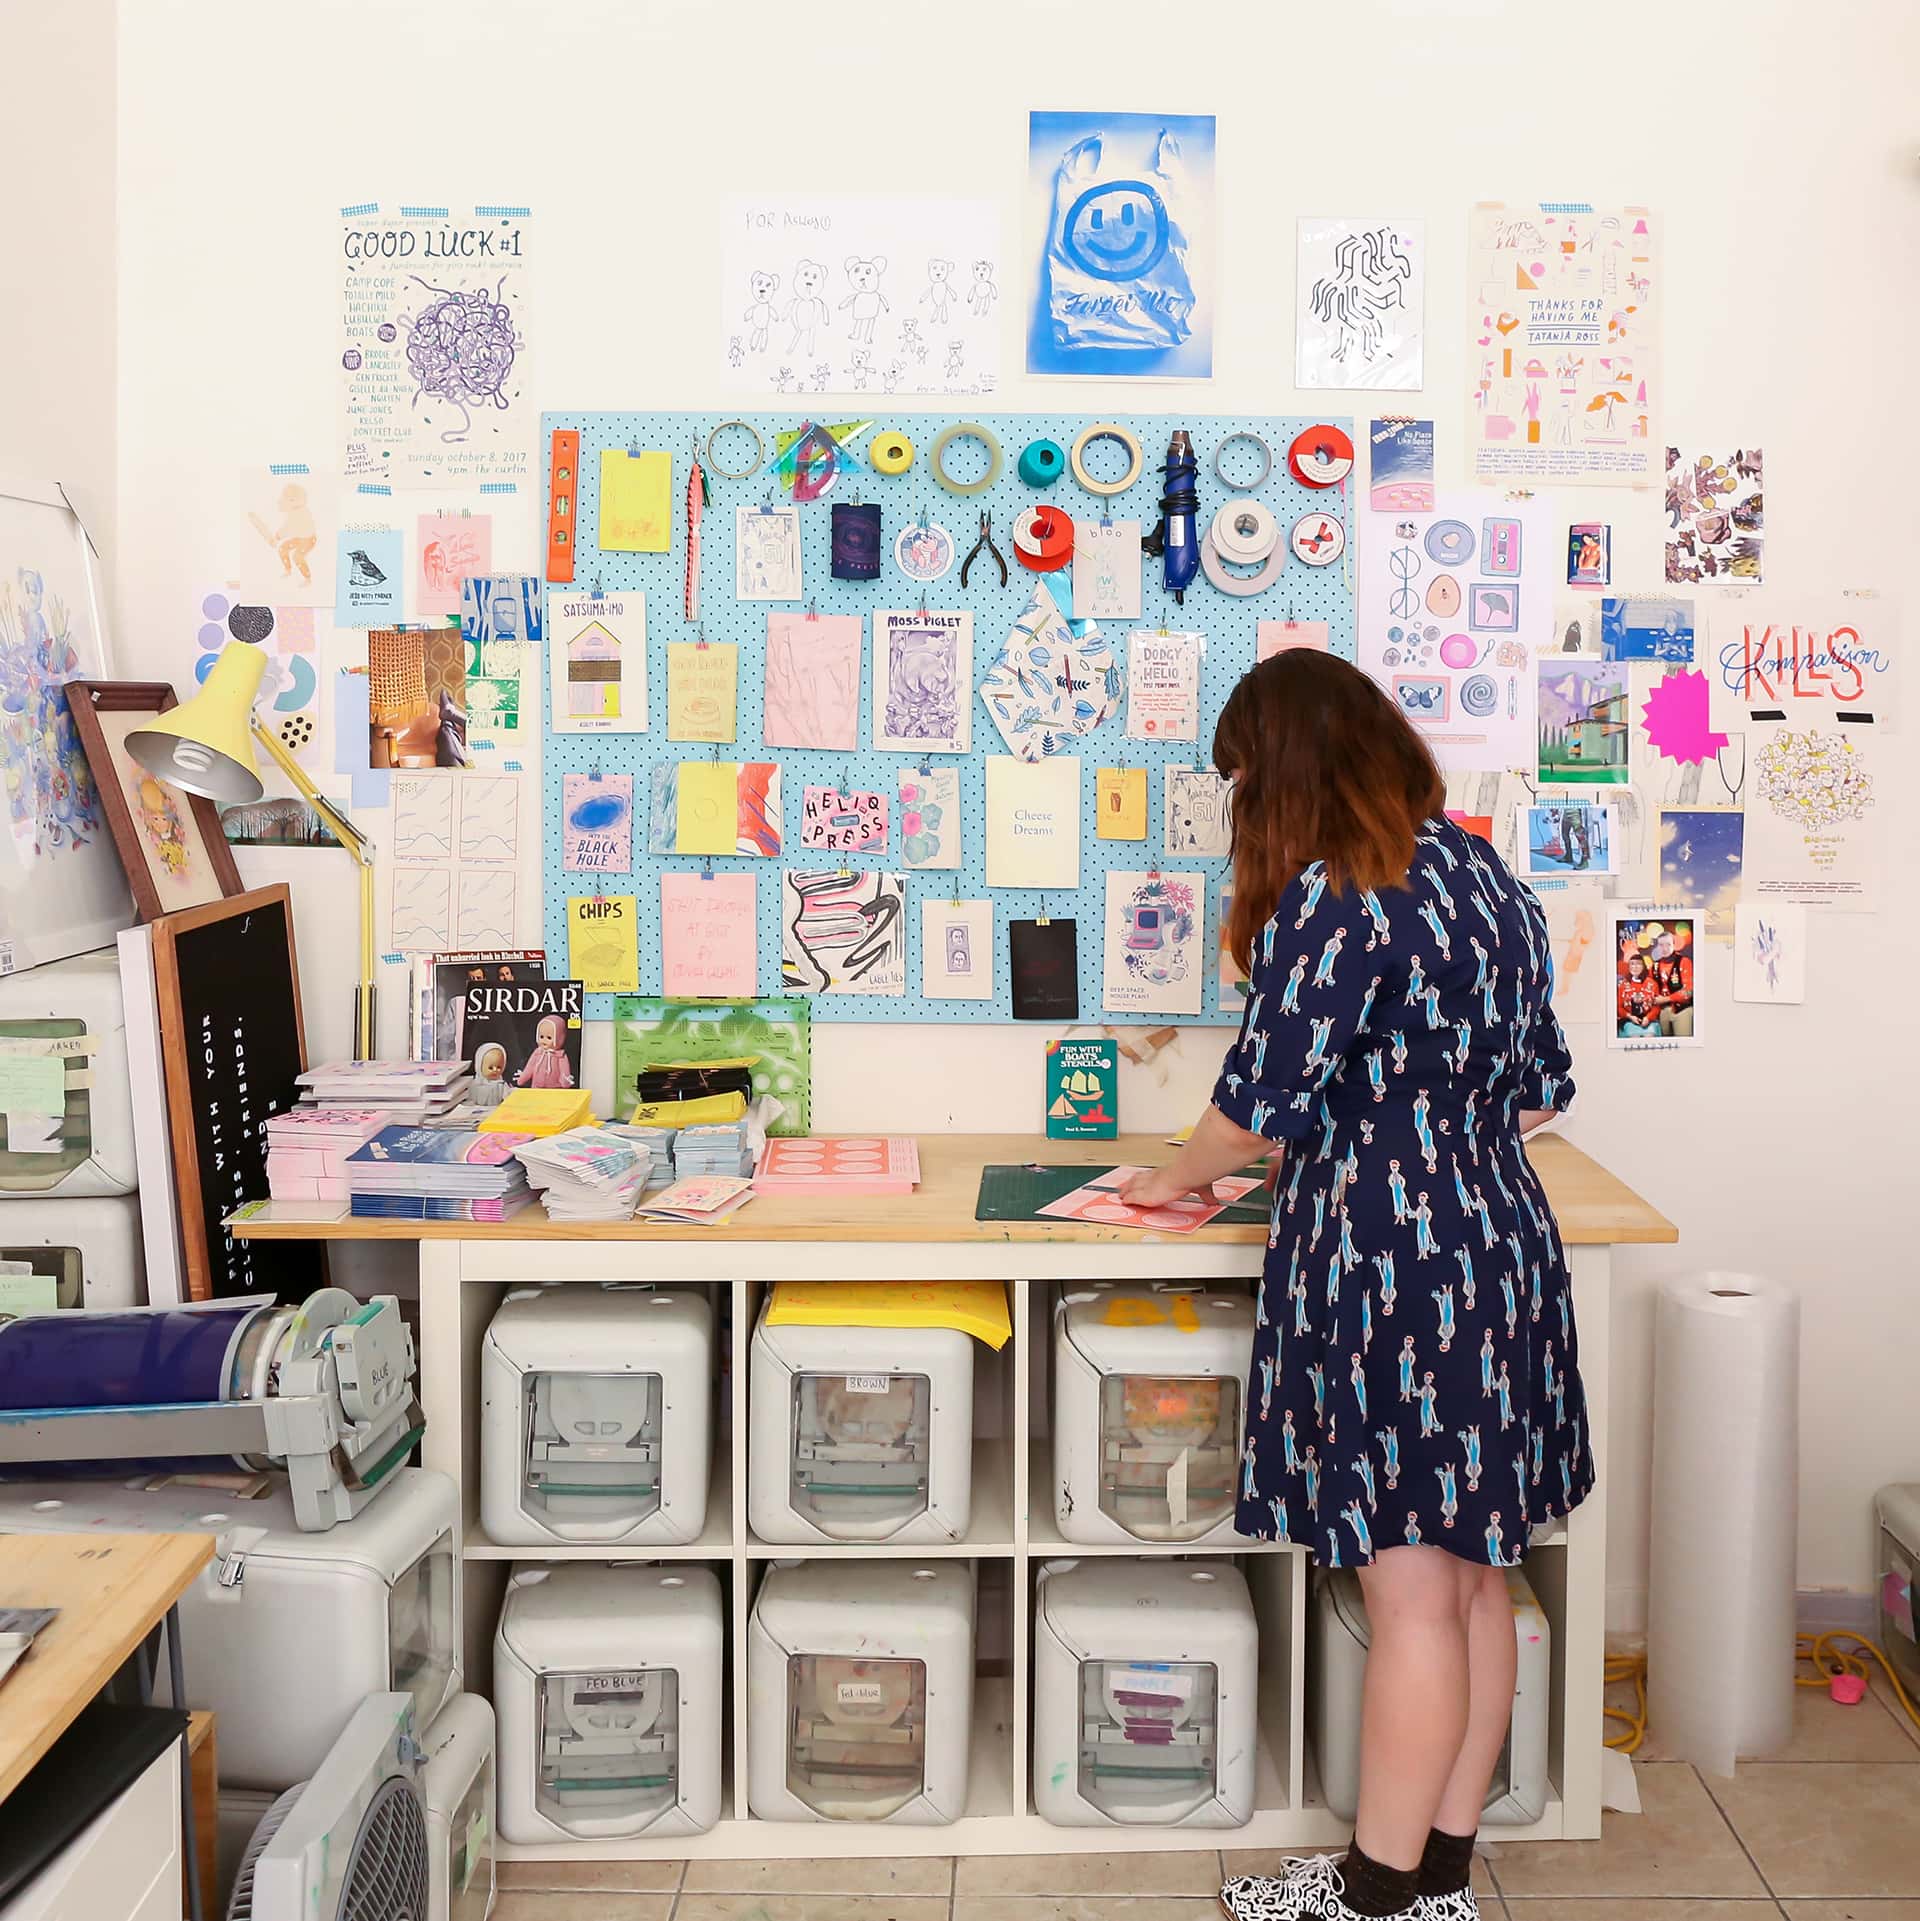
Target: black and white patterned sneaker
x: 1447, y: 1907
x: 1311, y: 1889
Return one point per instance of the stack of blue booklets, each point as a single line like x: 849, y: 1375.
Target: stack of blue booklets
x: 717, y: 1148
x: 437, y: 1174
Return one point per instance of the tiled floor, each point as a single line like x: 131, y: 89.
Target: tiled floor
x: 1827, y: 1831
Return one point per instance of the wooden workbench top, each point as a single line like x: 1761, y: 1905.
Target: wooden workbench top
x: 1592, y: 1206
x: 111, y: 1590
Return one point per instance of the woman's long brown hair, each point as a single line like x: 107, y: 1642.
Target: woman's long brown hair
x: 1326, y: 768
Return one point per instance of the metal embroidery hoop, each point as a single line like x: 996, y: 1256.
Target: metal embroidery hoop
x: 759, y: 451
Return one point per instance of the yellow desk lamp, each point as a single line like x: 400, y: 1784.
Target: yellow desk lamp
x: 206, y: 747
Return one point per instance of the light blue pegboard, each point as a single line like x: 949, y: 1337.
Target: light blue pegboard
x: 1228, y: 621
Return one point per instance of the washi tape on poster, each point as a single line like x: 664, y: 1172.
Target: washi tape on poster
x: 1318, y: 539
x: 1106, y: 430
x: 752, y: 466
x: 890, y: 453
x: 1245, y: 532
x: 1043, y: 538
x: 1214, y: 565
x: 1042, y: 463
x: 1220, y: 462
x: 1322, y: 456
x: 966, y: 430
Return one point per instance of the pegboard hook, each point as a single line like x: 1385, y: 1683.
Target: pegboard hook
x: 706, y: 868
x: 700, y: 633
x: 1044, y: 919
x: 813, y: 608
x: 599, y: 593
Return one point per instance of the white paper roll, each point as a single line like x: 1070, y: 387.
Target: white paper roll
x: 1726, y: 1476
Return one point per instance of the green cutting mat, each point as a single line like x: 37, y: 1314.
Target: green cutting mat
x: 1018, y: 1193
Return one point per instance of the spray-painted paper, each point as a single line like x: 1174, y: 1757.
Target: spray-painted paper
x: 636, y: 500
x: 702, y: 679
x: 1770, y: 952
x: 843, y: 933
x: 1033, y: 822
x: 367, y: 576
x: 1716, y: 517
x: 835, y: 823
x: 597, y: 662
x: 956, y: 950
x: 1813, y: 814
x: 708, y: 937
x: 766, y: 553
x: 1106, y: 569
x: 1361, y: 293
x: 813, y: 681
x: 282, y: 533
x: 693, y: 801
x: 1450, y: 608
x: 1153, y: 955
x: 1702, y: 852
x: 1199, y: 812
x: 840, y: 295
x: 1050, y: 684
x: 449, y: 549
x: 1123, y: 205
x: 1400, y: 465
x: 703, y: 810
x: 435, y: 378
x: 1120, y: 803
x: 1584, y: 730
x: 1814, y: 664
x: 596, y: 823
x: 930, y: 817
x: 1564, y: 323
x: 1163, y: 686
x: 922, y: 682
x: 603, y: 943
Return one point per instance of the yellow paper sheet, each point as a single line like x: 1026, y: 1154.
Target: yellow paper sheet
x: 705, y: 1110
x: 702, y: 685
x: 636, y: 502
x: 978, y: 1308
x: 707, y: 807
x: 603, y: 943
x: 1121, y: 799
x: 539, y: 1111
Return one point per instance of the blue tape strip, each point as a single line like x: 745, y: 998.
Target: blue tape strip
x: 365, y: 207
x: 424, y: 213
x: 506, y: 213
x: 288, y: 467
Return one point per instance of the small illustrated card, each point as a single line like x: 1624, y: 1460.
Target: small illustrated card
x: 1106, y: 570
x: 1098, y: 1201
x: 1770, y: 952
x: 603, y: 943
x: 1163, y: 686
x: 835, y: 823
x: 1648, y: 627
x: 636, y: 501
x: 1033, y: 822
x: 596, y: 823
x: 813, y: 681
x: 708, y: 936
x: 1589, y: 554
x: 1566, y: 837
x: 489, y: 833
x: 1120, y: 803
x: 367, y: 577
x: 283, y: 535
x: 956, y: 950
x: 1199, y: 818
x: 930, y: 816
x: 922, y: 682
x: 1655, y: 954
x: 1151, y: 958
x: 1043, y: 962
x: 1276, y: 636
x: 597, y: 662
x: 766, y: 553
x: 702, y: 679
x: 1083, y: 1090
x: 1400, y: 463
x: 450, y: 548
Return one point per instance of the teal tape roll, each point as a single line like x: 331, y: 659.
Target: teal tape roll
x: 1042, y: 463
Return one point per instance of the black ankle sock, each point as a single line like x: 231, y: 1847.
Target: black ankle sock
x: 1447, y: 1865
x: 1374, y: 1889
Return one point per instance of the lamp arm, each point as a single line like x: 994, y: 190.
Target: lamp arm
x: 349, y: 836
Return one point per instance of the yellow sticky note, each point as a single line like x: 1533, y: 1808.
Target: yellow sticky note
x: 636, y: 502
x: 603, y: 943
x: 978, y: 1308
x: 701, y: 687
x: 707, y: 808
x: 1120, y: 795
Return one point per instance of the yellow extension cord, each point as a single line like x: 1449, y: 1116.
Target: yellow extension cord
x: 1823, y: 1650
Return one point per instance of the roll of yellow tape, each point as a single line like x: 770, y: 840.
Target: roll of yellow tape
x: 890, y: 453
x: 1105, y: 430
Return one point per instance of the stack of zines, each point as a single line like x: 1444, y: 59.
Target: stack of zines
x: 587, y: 1173
x: 308, y: 1145
x: 715, y: 1149
x: 437, y: 1174
x: 421, y: 1092
x: 654, y: 1145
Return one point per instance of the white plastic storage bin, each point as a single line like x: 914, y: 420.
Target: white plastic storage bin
x: 596, y: 1415
x: 1149, y: 1387
x: 1337, y: 1641
x: 286, y: 1632
x: 1145, y: 1691
x: 1896, y: 1514
x: 860, y: 1434
x: 91, y: 1249
x: 460, y: 1810
x: 71, y: 1011
x: 607, y: 1681
x: 860, y: 1691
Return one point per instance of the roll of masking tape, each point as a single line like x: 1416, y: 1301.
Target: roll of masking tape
x: 1043, y: 538
x: 1320, y: 457
x: 965, y: 430
x: 1042, y: 462
x: 1245, y: 532
x: 890, y: 453
x: 1106, y: 430
x: 1215, y: 566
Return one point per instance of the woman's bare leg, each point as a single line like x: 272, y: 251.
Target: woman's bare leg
x: 1492, y: 1659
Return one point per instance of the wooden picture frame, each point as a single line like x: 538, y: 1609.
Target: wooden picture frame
x: 174, y: 824
x: 232, y: 1041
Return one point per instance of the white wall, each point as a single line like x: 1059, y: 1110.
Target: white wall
x: 1782, y: 157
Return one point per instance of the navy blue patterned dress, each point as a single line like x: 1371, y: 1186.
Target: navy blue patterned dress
x: 1415, y: 1375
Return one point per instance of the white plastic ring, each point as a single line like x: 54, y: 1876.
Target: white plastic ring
x: 1245, y: 532
x: 1240, y: 585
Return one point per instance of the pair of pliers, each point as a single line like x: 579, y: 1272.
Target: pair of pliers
x: 986, y: 541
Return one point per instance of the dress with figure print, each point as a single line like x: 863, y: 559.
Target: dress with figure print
x: 1416, y: 1372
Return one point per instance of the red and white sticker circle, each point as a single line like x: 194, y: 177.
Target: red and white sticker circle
x: 1322, y: 456
x: 1318, y: 539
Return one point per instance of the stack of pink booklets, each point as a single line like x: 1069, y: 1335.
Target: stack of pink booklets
x: 307, y: 1149
x: 840, y: 1164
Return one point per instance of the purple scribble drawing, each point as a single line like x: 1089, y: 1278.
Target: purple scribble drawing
x: 923, y: 684
x: 51, y: 797
x: 1768, y: 948
x: 461, y: 347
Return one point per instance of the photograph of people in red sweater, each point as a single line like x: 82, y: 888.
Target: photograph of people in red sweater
x: 1654, y: 957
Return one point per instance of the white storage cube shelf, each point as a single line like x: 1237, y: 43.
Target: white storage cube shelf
x: 1101, y: 1441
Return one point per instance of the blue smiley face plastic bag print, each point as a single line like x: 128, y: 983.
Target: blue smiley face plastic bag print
x: 1124, y: 281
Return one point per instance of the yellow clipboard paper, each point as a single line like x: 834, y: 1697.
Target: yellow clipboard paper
x: 978, y: 1308
x: 636, y: 501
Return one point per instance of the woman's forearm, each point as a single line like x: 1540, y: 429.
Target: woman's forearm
x: 1218, y: 1146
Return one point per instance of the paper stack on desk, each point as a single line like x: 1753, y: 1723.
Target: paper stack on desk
x: 437, y: 1174
x: 307, y: 1149
x: 587, y: 1173
x: 721, y: 1149
x: 843, y: 1164
x: 702, y: 1202
x: 416, y: 1091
